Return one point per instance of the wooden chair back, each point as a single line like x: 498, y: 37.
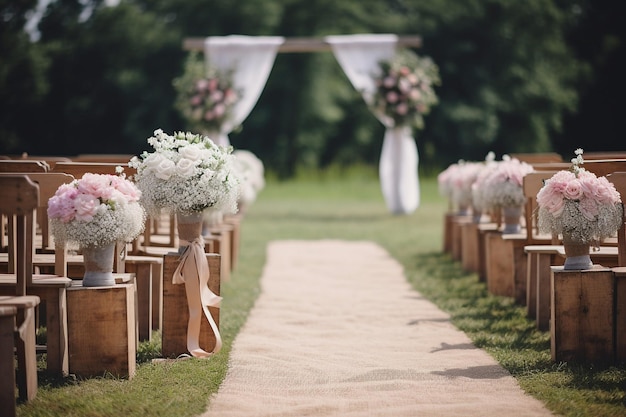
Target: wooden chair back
x: 604, y: 167
x: 532, y: 183
x: 539, y: 157
x: 23, y: 165
x: 78, y: 169
x: 50, y: 160
x: 20, y: 199
x: 604, y: 155
x: 121, y: 159
x: 619, y: 181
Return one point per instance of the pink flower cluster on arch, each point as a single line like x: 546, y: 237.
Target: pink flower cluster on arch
x: 586, y: 188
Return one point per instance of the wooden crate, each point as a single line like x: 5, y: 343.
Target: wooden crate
x: 483, y: 230
x: 222, y: 236
x: 101, y: 325
x: 582, y: 315
x: 176, y: 312
x: 457, y: 236
x: 447, y: 232
x: 499, y: 265
x: 469, y: 250
x: 519, y: 265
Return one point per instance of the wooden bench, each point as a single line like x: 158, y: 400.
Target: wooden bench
x: 49, y: 287
x: 20, y: 198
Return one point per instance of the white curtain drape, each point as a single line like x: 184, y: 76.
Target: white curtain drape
x: 250, y: 58
x: 359, y: 57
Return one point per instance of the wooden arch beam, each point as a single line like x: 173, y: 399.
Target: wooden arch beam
x: 299, y: 45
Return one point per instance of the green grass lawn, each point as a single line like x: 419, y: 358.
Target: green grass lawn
x: 345, y: 205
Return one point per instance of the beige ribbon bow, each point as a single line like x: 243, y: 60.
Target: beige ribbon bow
x: 193, y: 271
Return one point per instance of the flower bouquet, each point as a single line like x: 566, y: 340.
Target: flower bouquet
x: 205, y: 98
x: 404, y: 89
x: 95, y: 212
x: 185, y: 175
x: 502, y: 189
x: 583, y: 208
x: 251, y: 172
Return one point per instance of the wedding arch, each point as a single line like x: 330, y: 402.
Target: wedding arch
x: 250, y: 59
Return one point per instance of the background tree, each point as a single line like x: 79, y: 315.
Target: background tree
x: 100, y: 78
x: 22, y: 73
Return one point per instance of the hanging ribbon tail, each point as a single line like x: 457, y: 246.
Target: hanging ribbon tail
x: 193, y: 271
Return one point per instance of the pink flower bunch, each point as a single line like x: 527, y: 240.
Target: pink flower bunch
x: 210, y: 100
x: 404, y: 89
x: 589, y: 191
x: 502, y: 187
x: 82, y: 199
x: 578, y: 204
x: 96, y: 210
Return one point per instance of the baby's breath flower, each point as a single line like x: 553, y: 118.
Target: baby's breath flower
x: 186, y: 173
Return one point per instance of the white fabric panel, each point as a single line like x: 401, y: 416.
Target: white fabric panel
x: 359, y: 57
x: 399, y: 179
x: 251, y: 59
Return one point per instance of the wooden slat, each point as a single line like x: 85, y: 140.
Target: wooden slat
x: 301, y: 45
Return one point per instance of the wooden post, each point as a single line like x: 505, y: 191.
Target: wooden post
x: 102, y: 330
x: 582, y: 315
x: 458, y: 222
x: 499, y: 265
x: 176, y: 311
x: 620, y: 314
x: 302, y: 45
x: 222, y: 234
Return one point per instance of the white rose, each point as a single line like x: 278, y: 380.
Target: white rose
x: 190, y: 152
x: 185, y: 167
x: 165, y: 169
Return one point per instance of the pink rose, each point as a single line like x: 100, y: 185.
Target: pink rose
x: 573, y: 190
x: 551, y: 201
x: 389, y: 82
x: 86, y: 207
x: 61, y: 208
x: 391, y: 97
x: 402, y: 109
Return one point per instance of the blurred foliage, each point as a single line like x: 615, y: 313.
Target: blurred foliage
x: 532, y: 76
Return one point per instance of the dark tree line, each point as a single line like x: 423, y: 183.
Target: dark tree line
x: 537, y: 75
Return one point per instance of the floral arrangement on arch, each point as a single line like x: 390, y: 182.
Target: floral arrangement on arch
x: 503, y: 186
x: 404, y: 88
x: 96, y: 210
x: 205, y: 96
x: 187, y: 173
x: 578, y: 204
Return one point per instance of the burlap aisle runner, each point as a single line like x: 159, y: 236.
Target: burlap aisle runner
x: 337, y: 331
